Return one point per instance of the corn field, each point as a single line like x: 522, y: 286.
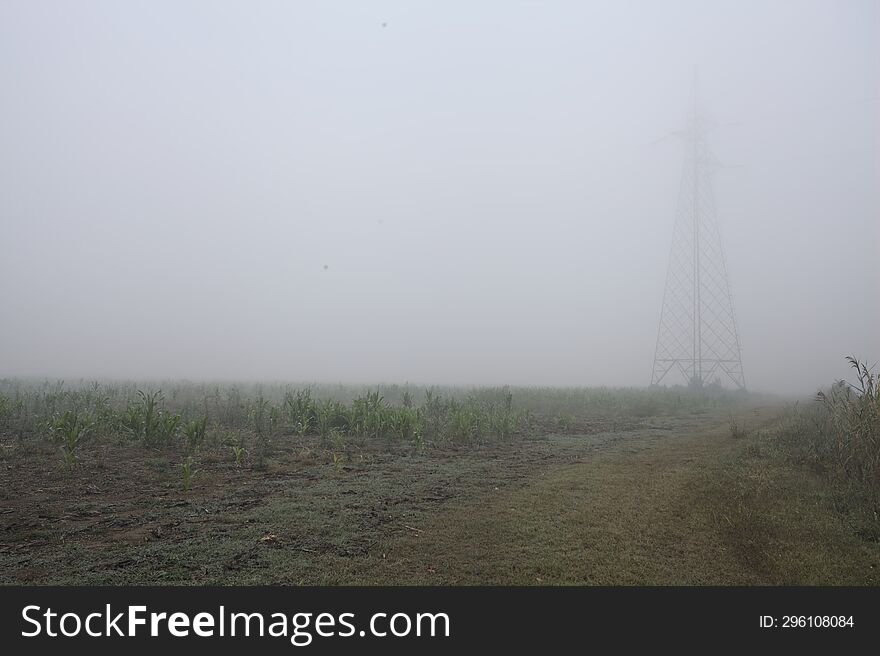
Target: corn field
x: 187, y: 415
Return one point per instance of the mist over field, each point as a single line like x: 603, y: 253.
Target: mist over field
x: 463, y: 193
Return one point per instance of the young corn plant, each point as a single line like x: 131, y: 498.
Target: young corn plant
x: 337, y: 438
x: 70, y: 429
x: 167, y: 427
x: 355, y: 418
x: 507, y: 397
x: 274, y: 419
x: 326, y: 418
x: 149, y: 425
x: 434, y: 410
x: 502, y: 422
x: 419, y: 441
x: 259, y: 416
x: 131, y: 421
x: 403, y: 422
x: 237, y: 453
x: 195, y: 432
x: 187, y: 474
x: 148, y: 422
x: 235, y: 412
x: 527, y: 421
x: 102, y: 413
x: 300, y: 409
x: 466, y: 424
x: 5, y: 409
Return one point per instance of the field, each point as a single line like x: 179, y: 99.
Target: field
x: 111, y: 483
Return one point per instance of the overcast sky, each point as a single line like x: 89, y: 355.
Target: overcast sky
x: 437, y: 192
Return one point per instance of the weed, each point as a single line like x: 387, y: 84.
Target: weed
x: 158, y: 464
x: 737, y: 430
x: 563, y: 423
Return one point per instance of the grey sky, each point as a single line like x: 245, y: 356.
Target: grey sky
x: 478, y: 179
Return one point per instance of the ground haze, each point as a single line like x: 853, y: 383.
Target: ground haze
x: 396, y: 191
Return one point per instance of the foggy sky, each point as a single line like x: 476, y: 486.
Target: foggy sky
x: 471, y: 193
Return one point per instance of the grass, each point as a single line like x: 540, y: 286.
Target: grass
x: 783, y: 522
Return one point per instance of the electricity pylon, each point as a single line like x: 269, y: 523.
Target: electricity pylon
x: 698, y: 336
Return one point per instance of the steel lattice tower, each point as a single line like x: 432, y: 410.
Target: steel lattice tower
x: 698, y: 336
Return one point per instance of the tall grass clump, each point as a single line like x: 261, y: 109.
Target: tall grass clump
x: 849, y: 431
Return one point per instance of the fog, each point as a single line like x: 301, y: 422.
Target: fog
x: 452, y: 192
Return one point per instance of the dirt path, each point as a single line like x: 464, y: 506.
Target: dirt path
x: 665, y: 509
